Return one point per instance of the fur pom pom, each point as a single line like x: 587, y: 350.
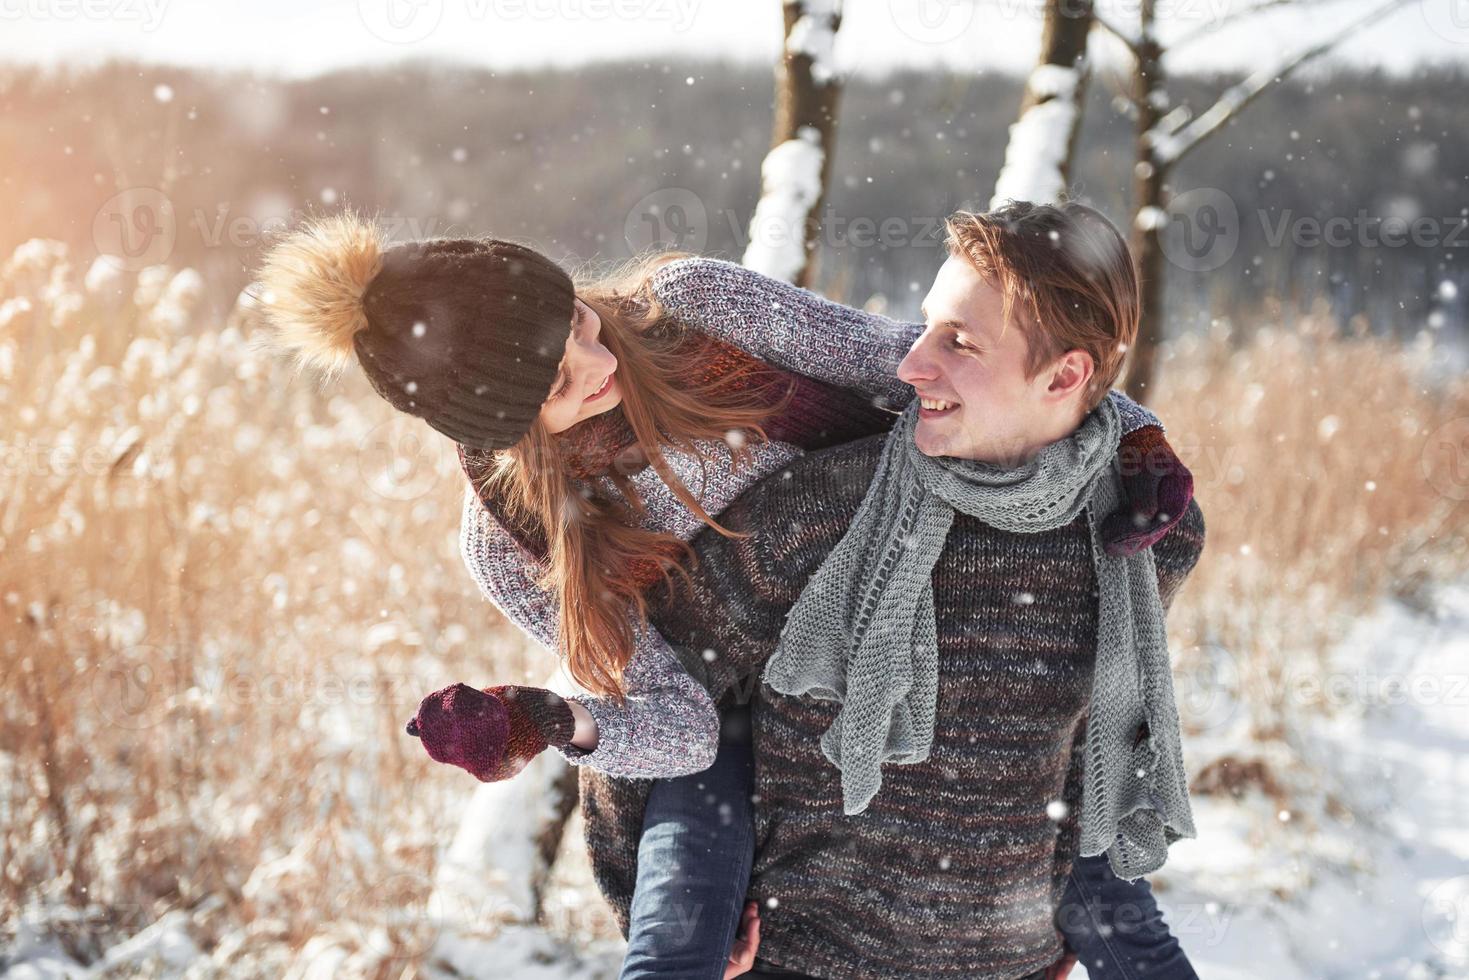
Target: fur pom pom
x: 312, y: 283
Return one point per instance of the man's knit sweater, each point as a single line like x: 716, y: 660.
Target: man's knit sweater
x: 956, y: 867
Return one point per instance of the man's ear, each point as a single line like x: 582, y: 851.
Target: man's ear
x: 1070, y: 374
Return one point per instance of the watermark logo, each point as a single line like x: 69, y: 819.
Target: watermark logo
x: 1199, y: 231
x: 668, y: 219
x: 1445, y: 459
x: 1446, y: 919
x: 136, y: 688
x: 400, y: 21
x: 932, y: 21
x: 1449, y: 19
x: 147, y: 14
x: 1208, y: 685
x: 135, y: 228
x: 401, y: 459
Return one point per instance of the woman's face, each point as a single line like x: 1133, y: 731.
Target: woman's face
x: 586, y: 383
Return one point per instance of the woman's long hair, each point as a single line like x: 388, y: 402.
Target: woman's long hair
x: 595, y: 552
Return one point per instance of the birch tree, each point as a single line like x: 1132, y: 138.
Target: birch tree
x: 1043, y: 138
x: 497, y: 868
x: 786, y: 227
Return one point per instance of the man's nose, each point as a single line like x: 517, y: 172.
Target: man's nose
x: 915, y: 366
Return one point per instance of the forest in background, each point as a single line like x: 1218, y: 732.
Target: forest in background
x: 598, y: 163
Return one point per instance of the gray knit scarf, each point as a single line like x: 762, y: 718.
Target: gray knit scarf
x: 862, y: 632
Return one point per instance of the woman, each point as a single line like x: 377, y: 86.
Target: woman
x: 583, y: 417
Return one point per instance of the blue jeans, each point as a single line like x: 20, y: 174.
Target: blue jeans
x: 694, y: 865
x: 1115, y: 928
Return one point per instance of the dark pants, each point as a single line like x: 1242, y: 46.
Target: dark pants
x: 792, y: 975
x: 1115, y: 927
x: 694, y: 865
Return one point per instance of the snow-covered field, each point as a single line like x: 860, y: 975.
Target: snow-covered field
x: 224, y: 592
x: 1383, y: 895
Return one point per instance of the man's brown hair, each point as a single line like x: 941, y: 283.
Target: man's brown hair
x: 1067, y: 270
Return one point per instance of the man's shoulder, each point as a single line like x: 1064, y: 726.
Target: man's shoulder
x: 799, y: 512
x: 835, y: 478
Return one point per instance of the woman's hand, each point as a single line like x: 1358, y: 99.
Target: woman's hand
x: 747, y: 942
x: 1158, y: 488
x: 492, y: 734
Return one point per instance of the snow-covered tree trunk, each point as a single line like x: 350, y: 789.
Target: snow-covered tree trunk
x: 1150, y: 171
x: 1043, y: 138
x: 786, y: 227
x: 497, y: 867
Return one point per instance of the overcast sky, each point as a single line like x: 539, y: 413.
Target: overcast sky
x: 303, y: 37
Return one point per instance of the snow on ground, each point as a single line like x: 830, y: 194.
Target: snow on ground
x: 1386, y: 895
x: 1383, y: 895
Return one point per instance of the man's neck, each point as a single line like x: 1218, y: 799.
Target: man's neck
x: 1030, y: 445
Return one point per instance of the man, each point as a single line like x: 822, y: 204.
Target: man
x: 939, y: 650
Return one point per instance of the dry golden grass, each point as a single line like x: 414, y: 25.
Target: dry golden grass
x: 224, y: 592
x: 1333, y: 471
x: 214, y: 626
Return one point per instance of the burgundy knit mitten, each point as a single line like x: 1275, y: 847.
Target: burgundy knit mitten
x: 1158, y: 488
x: 495, y: 733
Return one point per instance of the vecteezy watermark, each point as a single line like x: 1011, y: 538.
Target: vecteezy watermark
x: 135, y: 228
x: 403, y: 459
x: 1363, y: 230
x: 401, y: 21
x: 1446, y: 919
x: 228, y: 227
x: 148, y: 14
x: 932, y: 21
x: 670, y: 218
x: 1449, y: 19
x: 1445, y: 459
x: 410, y: 21
x: 141, y: 226
x: 43, y: 458
x: 942, y: 21
x: 677, y: 218
x: 1198, y: 230
x: 137, y: 687
x: 1208, y: 686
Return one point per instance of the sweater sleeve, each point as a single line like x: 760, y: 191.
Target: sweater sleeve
x: 665, y: 726
x: 799, y: 330
x: 790, y: 327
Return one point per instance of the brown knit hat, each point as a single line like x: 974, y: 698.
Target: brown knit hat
x: 465, y: 333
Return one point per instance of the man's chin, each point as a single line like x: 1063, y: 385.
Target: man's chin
x: 929, y: 441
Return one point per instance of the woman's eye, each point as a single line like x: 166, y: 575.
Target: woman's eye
x: 564, y: 387
x: 961, y: 345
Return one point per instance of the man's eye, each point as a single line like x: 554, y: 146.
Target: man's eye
x: 961, y: 345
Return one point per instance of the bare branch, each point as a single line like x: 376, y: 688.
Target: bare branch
x: 1127, y: 39
x: 1169, y: 148
x: 1255, y: 8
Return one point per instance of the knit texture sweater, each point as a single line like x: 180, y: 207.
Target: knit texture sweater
x: 957, y: 865
x: 843, y: 362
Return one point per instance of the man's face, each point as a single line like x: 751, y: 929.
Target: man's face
x: 968, y: 370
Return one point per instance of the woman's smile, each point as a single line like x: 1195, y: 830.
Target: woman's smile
x: 602, y: 389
